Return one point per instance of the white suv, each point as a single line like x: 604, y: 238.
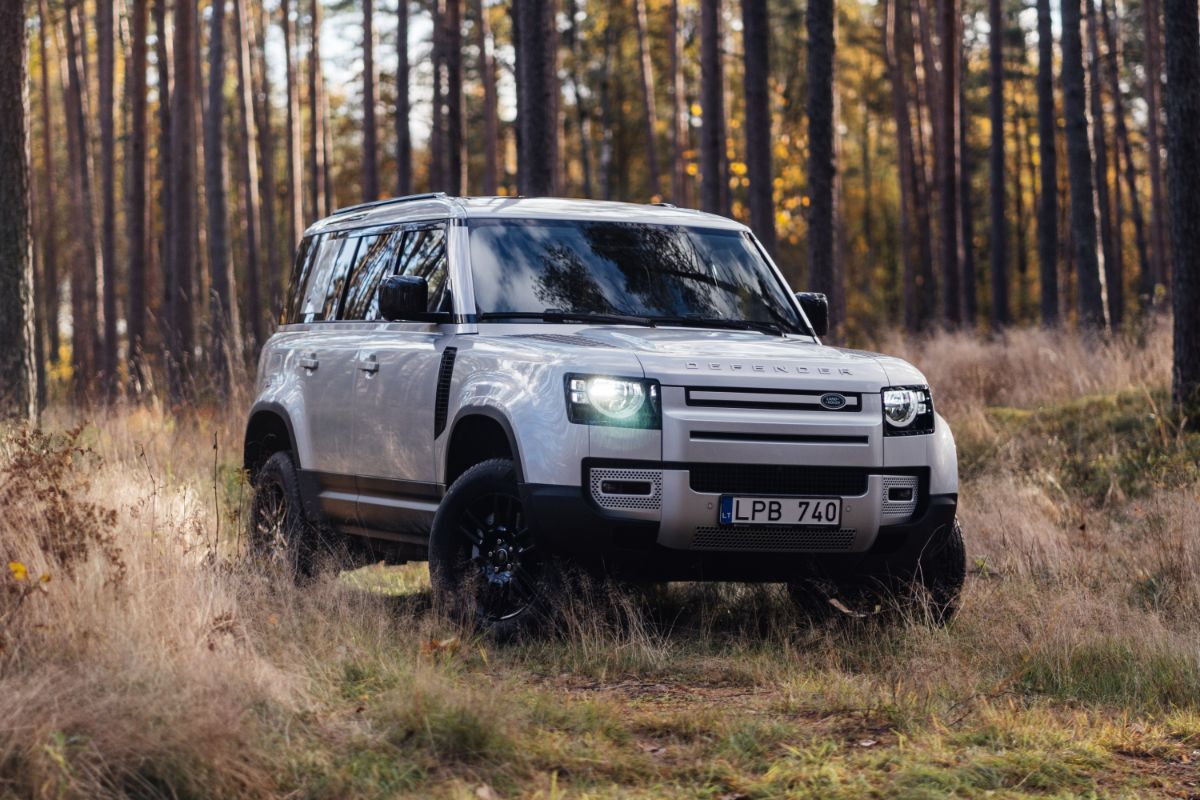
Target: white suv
x: 500, y: 385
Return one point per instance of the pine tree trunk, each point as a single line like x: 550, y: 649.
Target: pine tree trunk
x: 1182, y: 50
x: 295, y: 179
x: 926, y: 300
x: 821, y: 169
x: 437, y: 131
x: 1079, y: 170
x: 224, y: 325
x: 649, y: 114
x: 403, y: 137
x: 1001, y: 315
x: 316, y: 139
x: 182, y: 258
x: 582, y: 117
x: 50, y: 227
x: 1109, y: 240
x: 1159, y: 248
x: 18, y: 376
x: 106, y: 43
x: 1048, y: 161
x: 266, y: 147
x: 370, y: 170
x: 536, y: 116
x: 894, y: 61
x: 966, y: 206
x: 162, y: 55
x: 947, y: 173
x: 248, y: 161
x: 679, y: 112
x: 712, y: 131
x: 606, y: 115
x: 136, y: 210
x: 491, y: 125
x: 756, y: 37
x: 456, y: 162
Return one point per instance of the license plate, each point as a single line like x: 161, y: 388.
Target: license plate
x: 792, y: 511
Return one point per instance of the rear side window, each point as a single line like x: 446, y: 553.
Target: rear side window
x: 424, y: 255
x: 300, y: 274
x: 316, y: 290
x: 376, y: 258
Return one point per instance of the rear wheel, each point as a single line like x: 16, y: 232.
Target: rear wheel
x: 280, y: 537
x: 483, y: 562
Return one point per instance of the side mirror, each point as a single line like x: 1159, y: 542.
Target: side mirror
x: 816, y: 308
x: 403, y: 297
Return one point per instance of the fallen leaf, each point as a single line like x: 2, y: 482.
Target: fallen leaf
x: 485, y: 792
x: 18, y: 570
x: 868, y: 743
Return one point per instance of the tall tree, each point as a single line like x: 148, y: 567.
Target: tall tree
x: 1110, y: 245
x: 650, y: 116
x: 712, y: 102
x: 966, y: 205
x: 947, y: 175
x: 456, y: 162
x: 1112, y: 40
x: 316, y: 102
x: 1001, y: 315
x: 243, y: 36
x: 537, y: 137
x: 50, y: 225
x: 136, y: 214
x: 1158, y: 202
x: 295, y: 181
x: 582, y: 108
x: 370, y: 170
x: 260, y: 79
x: 1182, y: 50
x: 106, y: 43
x: 1048, y: 160
x: 818, y: 106
x: 403, y: 137
x: 18, y: 375
x: 162, y: 57
x: 224, y: 321
x: 893, y: 59
x: 182, y: 249
x: 490, y: 179
x: 756, y: 38
x: 679, y: 111
x: 1079, y: 171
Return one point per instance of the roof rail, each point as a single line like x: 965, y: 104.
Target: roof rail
x: 661, y: 204
x: 387, y: 202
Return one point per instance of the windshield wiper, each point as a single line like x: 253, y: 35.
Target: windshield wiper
x: 557, y: 315
x: 729, y: 324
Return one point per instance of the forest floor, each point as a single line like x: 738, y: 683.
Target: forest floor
x: 138, y: 657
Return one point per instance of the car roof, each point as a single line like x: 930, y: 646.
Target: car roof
x: 415, y: 208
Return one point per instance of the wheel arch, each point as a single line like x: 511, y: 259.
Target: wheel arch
x: 476, y: 434
x: 268, y: 431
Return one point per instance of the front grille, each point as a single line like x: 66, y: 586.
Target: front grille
x: 773, y: 540
x: 777, y: 479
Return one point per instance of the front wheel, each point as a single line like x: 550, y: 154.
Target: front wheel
x: 483, y: 562
x: 940, y: 574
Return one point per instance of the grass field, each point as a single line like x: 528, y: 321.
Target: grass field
x: 139, y: 657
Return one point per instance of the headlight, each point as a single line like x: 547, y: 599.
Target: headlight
x: 604, y: 400
x: 907, y: 410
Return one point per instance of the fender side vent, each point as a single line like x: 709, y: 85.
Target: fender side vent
x: 442, y: 402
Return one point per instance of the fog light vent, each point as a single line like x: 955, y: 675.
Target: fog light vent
x: 899, y: 499
x: 626, y: 489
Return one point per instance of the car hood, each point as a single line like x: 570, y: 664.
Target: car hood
x: 698, y: 357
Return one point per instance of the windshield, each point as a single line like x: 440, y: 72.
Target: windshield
x: 658, y: 272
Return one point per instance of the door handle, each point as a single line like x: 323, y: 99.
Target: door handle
x: 368, y: 364
x: 309, y: 361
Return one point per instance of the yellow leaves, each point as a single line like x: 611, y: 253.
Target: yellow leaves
x: 805, y: 201
x: 18, y: 570
x: 738, y: 168
x: 696, y: 110
x: 693, y: 169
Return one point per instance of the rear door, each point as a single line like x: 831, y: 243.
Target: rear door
x: 397, y: 368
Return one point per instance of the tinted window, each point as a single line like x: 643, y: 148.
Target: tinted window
x: 340, y: 274
x: 376, y: 257
x: 320, y: 273
x: 424, y: 255
x: 300, y: 274
x: 626, y: 268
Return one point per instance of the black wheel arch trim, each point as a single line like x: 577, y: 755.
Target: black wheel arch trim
x: 275, y: 409
x: 497, y: 416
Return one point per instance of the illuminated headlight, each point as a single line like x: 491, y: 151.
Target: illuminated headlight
x: 604, y: 400
x: 907, y: 410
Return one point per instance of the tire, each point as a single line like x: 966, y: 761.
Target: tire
x: 281, y: 538
x: 483, y: 562
x: 940, y: 574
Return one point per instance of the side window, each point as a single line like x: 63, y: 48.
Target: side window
x: 424, y: 255
x: 339, y: 274
x: 312, y: 309
x: 376, y: 255
x: 300, y: 274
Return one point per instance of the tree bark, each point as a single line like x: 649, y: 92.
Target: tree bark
x: 893, y: 58
x: 536, y: 117
x: 679, y: 112
x: 821, y: 169
x: 18, y: 375
x: 922, y: 181
x: 456, y: 162
x: 582, y: 116
x: 490, y: 180
x: 50, y: 227
x: 756, y: 37
x: 248, y: 160
x: 1109, y: 236
x: 1001, y: 315
x: 106, y: 56
x: 403, y: 137
x: 182, y: 259
x: 1159, y: 248
x: 224, y: 323
x: 1182, y: 50
x: 136, y: 210
x: 712, y: 131
x: 649, y: 114
x: 316, y: 140
x: 947, y: 172
x: 1048, y: 159
x: 266, y: 147
x: 295, y: 180
x: 370, y: 176
x: 966, y: 206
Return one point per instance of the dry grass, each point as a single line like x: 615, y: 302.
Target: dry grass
x: 150, y: 663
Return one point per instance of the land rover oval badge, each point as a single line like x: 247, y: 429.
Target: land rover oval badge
x: 833, y: 401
